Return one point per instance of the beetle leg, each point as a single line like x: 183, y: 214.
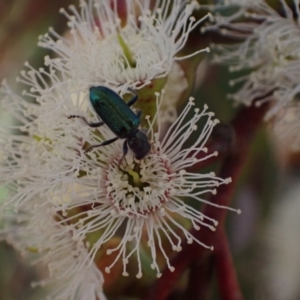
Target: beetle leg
x: 139, y: 113
x: 125, y: 151
x: 105, y: 143
x: 98, y: 124
x: 134, y: 98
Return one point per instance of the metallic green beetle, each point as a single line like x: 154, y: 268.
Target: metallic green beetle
x: 120, y: 119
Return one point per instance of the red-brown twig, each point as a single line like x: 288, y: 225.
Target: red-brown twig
x: 200, y: 278
x: 225, y: 272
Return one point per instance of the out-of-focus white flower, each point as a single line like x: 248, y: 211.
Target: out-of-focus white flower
x: 121, y: 51
x: 37, y: 234
x: 228, y: 3
x: 269, y: 54
x: 286, y: 130
x: 232, y: 8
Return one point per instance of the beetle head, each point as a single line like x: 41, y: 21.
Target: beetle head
x: 139, y: 144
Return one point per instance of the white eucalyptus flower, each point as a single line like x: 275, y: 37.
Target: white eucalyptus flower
x: 146, y: 198
x: 269, y: 54
x: 37, y: 234
x: 104, y: 48
x: 149, y: 199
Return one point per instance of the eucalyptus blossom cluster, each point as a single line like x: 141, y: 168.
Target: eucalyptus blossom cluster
x: 79, y: 212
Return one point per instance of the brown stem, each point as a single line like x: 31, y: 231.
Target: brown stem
x: 200, y: 278
x: 245, y: 125
x: 225, y: 270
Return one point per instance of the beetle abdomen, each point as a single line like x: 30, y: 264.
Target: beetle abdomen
x: 113, y: 111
